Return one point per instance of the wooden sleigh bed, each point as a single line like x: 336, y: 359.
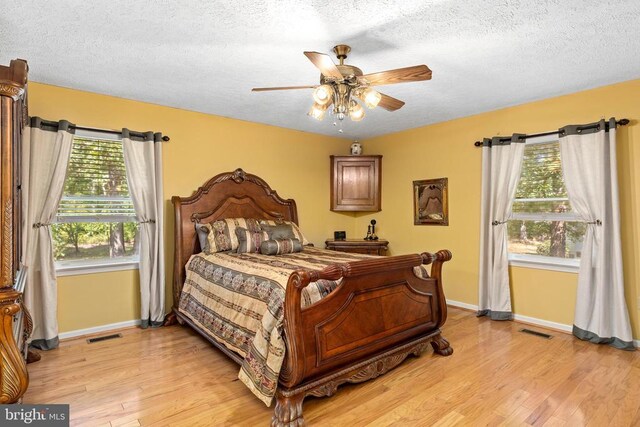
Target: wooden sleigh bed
x: 379, y: 314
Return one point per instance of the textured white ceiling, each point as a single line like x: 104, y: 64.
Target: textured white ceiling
x: 207, y: 55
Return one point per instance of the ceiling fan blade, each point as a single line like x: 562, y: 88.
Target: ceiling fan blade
x: 263, y: 89
x: 324, y: 63
x: 399, y: 75
x: 390, y: 103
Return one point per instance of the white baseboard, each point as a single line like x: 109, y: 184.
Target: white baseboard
x: 97, y: 329
x: 519, y: 317
x: 544, y: 323
x: 462, y: 305
x: 526, y: 319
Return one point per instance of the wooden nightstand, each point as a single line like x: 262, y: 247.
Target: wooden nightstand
x: 358, y: 246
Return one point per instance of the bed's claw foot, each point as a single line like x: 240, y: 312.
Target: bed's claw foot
x: 170, y: 319
x: 441, y: 346
x: 288, y: 412
x: 33, y: 356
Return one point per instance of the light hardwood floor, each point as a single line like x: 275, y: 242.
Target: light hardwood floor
x: 496, y: 376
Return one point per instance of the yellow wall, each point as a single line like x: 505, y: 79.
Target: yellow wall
x: 203, y: 145
x: 91, y: 300
x: 294, y: 163
x: 446, y: 150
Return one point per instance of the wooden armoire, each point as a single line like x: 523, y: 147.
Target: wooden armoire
x: 15, y: 322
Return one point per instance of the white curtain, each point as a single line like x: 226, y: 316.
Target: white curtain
x: 46, y: 150
x: 501, y: 166
x: 588, y: 154
x: 143, y: 163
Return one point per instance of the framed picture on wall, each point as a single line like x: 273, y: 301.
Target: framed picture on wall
x: 430, y: 202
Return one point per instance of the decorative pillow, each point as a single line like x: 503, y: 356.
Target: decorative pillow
x: 279, y: 231
x: 202, y: 230
x: 250, y: 241
x: 296, y: 230
x: 222, y: 233
x: 280, y: 246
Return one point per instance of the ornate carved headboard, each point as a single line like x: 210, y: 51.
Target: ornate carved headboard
x: 228, y: 195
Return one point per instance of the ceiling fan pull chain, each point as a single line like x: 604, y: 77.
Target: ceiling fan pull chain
x: 338, y: 124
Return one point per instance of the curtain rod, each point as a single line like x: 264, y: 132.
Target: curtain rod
x: 165, y: 138
x: 621, y: 122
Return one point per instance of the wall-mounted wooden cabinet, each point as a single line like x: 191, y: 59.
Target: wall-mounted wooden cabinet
x: 356, y: 183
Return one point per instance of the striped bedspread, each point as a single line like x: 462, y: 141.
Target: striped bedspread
x: 237, y: 299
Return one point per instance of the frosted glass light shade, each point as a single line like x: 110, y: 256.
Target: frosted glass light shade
x: 371, y: 97
x: 317, y: 111
x: 356, y: 112
x: 322, y: 94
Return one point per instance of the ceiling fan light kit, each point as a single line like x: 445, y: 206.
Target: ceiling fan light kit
x: 323, y: 94
x: 371, y: 97
x: 342, y: 85
x: 318, y: 111
x: 356, y: 112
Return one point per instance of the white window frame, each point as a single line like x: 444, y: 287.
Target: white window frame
x: 81, y: 267
x: 568, y: 265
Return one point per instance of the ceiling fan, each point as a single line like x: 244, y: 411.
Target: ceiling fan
x: 340, y: 86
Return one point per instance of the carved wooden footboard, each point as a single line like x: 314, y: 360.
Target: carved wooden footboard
x: 380, y: 313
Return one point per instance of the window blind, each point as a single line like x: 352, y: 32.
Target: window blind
x: 96, y: 187
x: 541, y: 193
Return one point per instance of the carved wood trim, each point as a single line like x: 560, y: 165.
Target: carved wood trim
x: 197, y: 217
x: 32, y: 355
x: 7, y: 243
x: 289, y: 410
x: 236, y: 191
x: 365, y: 370
x: 7, y: 276
x: 238, y: 176
x: 13, y: 79
x: 28, y: 322
x: 437, y: 260
x: 14, y: 378
x: 441, y: 346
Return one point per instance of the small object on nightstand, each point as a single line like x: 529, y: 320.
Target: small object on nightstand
x: 339, y: 235
x: 370, y: 247
x: 373, y: 230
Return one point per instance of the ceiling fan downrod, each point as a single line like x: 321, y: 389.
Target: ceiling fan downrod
x: 341, y: 51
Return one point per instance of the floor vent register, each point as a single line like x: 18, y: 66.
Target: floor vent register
x: 103, y: 338
x: 536, y: 333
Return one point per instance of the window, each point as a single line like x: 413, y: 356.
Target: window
x: 95, y: 224
x: 543, y: 231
